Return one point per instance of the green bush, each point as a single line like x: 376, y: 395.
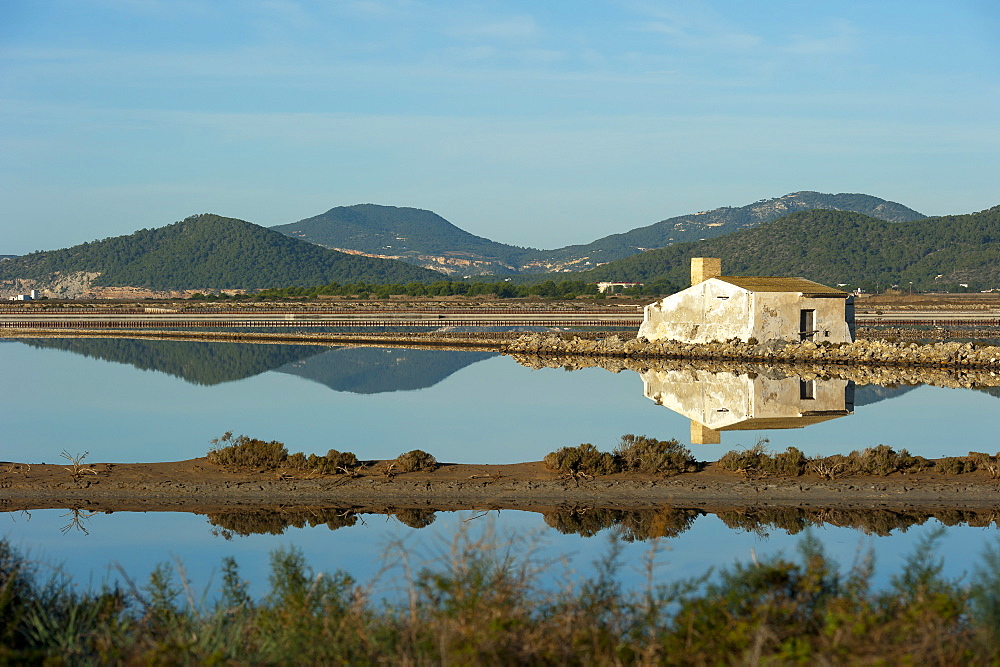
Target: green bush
x: 490, y: 602
x: 758, y: 461
x: 243, y: 452
x: 883, y: 460
x: 639, y: 453
x: 297, y: 461
x: 984, y: 461
x: 415, y: 460
x: 955, y: 465
x: 582, y: 459
x: 333, y: 463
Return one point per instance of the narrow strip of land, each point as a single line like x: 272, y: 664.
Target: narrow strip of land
x: 196, y: 484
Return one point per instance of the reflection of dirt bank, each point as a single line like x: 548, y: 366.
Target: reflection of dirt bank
x: 197, y: 486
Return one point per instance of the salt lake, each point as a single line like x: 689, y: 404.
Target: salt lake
x: 135, y: 401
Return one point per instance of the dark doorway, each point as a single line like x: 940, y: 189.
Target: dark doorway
x: 807, y: 324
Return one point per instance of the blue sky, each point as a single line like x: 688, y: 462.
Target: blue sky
x: 532, y: 123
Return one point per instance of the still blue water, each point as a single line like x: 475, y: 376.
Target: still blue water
x: 462, y: 407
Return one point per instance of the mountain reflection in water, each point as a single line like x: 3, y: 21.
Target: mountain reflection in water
x: 358, y: 370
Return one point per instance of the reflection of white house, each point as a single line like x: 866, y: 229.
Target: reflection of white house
x: 720, y: 308
x: 717, y: 402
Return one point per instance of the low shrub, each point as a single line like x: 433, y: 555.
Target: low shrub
x: 639, y: 453
x: 493, y: 602
x: 297, y: 461
x: 758, y: 461
x: 333, y: 463
x: 991, y: 464
x: 881, y: 460
x: 582, y: 459
x: 243, y: 452
x: 415, y: 460
x: 955, y: 465
x: 884, y: 460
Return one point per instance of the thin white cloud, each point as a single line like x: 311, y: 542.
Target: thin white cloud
x: 514, y: 28
x: 701, y: 37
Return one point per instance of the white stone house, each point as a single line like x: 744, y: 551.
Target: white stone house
x: 720, y: 308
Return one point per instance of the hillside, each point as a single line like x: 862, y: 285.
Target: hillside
x: 426, y: 239
x: 720, y: 222
x: 209, y: 251
x: 838, y: 247
x: 413, y: 235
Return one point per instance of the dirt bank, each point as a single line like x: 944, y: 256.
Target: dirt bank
x: 198, y: 486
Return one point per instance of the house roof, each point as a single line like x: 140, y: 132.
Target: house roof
x: 778, y: 284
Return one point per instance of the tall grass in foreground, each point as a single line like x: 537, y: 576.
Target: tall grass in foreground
x: 482, y: 601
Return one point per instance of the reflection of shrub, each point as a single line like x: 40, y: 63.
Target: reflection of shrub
x: 414, y: 461
x: 246, y: 452
x: 271, y: 522
x: 647, y: 525
x: 638, y: 453
x: 630, y: 525
x: 415, y: 518
x: 585, y: 459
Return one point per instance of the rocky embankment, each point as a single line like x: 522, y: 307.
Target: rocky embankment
x: 865, y: 352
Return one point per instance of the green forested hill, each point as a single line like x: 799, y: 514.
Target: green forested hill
x: 837, y: 247
x: 209, y: 251
x: 413, y: 234
x: 395, y: 230
x: 726, y: 220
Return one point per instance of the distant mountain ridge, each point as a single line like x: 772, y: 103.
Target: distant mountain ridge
x: 413, y: 235
x: 837, y: 247
x: 426, y: 239
x: 208, y: 251
x: 726, y: 220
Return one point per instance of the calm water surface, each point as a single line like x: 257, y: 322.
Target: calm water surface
x: 152, y: 401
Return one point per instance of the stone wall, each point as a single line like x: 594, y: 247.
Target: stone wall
x: 863, y: 352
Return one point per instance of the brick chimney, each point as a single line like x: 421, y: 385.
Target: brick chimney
x: 703, y: 268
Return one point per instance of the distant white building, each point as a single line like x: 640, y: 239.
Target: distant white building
x: 604, y: 288
x: 25, y: 297
x: 720, y: 308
